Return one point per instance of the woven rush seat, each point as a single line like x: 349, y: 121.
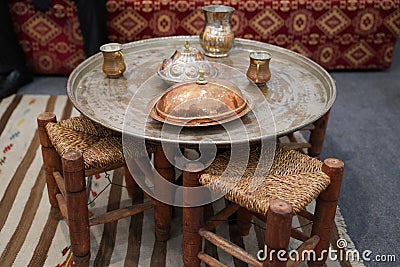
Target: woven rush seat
x: 293, y: 177
x: 99, y: 146
x: 273, y: 195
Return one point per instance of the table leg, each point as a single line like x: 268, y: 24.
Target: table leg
x: 317, y: 136
x: 162, y: 211
x: 192, y: 219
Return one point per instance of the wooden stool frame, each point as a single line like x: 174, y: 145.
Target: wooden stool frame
x: 278, y: 230
x: 66, y: 185
x: 316, y: 138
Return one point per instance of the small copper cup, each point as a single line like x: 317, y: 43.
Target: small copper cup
x: 113, y: 60
x: 259, y: 71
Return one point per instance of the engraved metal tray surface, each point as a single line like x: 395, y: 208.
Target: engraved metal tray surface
x: 299, y: 92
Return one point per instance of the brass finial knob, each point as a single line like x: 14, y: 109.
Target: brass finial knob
x: 187, y: 46
x: 201, y: 80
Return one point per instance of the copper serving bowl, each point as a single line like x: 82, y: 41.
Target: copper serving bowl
x: 200, y: 103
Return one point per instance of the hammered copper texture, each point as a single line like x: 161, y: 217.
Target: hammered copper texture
x: 200, y: 102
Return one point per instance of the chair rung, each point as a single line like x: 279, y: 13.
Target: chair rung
x: 63, y: 206
x: 221, y: 216
x: 309, y: 127
x: 306, y: 214
x: 308, y: 245
x: 296, y: 234
x: 207, y: 259
x: 229, y: 247
x: 60, y: 182
x: 120, y: 213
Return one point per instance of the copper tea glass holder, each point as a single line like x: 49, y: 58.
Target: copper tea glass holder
x: 113, y: 60
x: 259, y: 71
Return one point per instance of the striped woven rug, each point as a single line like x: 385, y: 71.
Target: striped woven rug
x: 30, y: 236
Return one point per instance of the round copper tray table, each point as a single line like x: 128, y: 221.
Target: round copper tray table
x: 299, y: 92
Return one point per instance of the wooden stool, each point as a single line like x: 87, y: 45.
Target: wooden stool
x: 73, y: 149
x: 293, y: 182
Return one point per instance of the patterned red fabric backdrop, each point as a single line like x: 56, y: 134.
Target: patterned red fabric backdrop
x: 337, y: 34
x: 52, y: 41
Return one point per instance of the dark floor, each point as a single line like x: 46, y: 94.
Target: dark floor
x: 363, y: 132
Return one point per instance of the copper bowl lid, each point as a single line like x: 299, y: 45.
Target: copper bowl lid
x: 184, y: 65
x: 200, y: 102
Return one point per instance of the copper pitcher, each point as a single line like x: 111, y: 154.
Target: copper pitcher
x: 259, y: 71
x: 113, y: 60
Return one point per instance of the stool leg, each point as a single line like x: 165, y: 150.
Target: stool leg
x: 317, y: 136
x: 162, y: 211
x: 131, y: 185
x: 244, y: 218
x: 51, y: 160
x: 192, y: 218
x: 78, y: 219
x: 277, y: 234
x: 325, y: 209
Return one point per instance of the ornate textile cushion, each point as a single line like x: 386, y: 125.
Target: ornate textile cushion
x: 52, y: 41
x: 294, y: 177
x: 336, y: 34
x: 99, y: 147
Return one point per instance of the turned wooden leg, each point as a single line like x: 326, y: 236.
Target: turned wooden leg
x: 131, y: 185
x: 78, y: 220
x: 209, y: 248
x: 244, y: 218
x: 51, y: 160
x: 192, y: 218
x: 317, y: 136
x: 162, y: 211
x: 325, y: 209
x: 277, y: 234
